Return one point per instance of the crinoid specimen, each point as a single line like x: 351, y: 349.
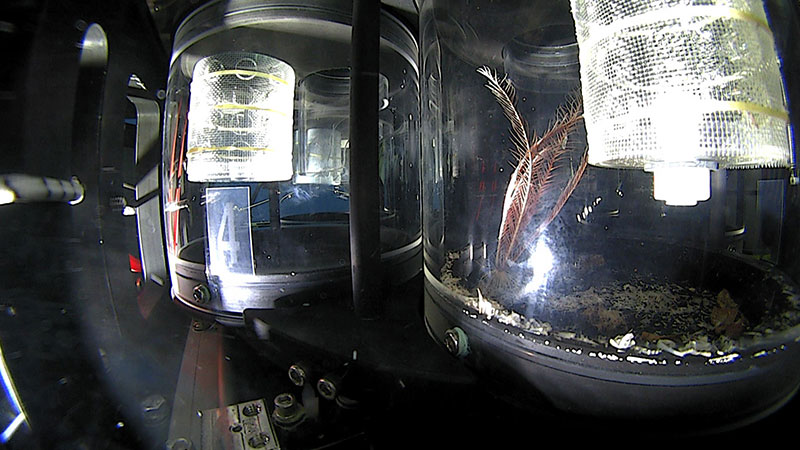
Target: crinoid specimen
x: 535, y: 160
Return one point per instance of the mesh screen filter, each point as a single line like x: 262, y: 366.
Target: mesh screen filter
x: 240, y: 119
x: 681, y: 83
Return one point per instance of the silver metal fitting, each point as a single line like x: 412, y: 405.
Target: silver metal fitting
x: 297, y: 374
x: 327, y: 388
x: 287, y: 410
x: 456, y: 342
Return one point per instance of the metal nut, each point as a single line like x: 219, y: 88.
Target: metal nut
x: 287, y: 410
x: 180, y: 444
x: 201, y: 294
x: 251, y: 410
x: 455, y: 340
x: 297, y: 374
x: 154, y: 409
x: 326, y: 388
x: 259, y: 441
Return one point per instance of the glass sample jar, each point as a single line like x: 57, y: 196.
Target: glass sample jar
x: 563, y: 274
x: 256, y: 149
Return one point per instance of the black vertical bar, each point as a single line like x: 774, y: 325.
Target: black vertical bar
x: 365, y: 254
x: 716, y: 220
x: 274, y: 205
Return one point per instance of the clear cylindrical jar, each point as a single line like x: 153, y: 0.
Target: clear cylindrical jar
x: 572, y: 280
x: 256, y: 154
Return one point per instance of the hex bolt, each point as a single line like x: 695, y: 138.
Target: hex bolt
x: 180, y: 444
x: 154, y: 409
x: 297, y: 374
x: 259, y: 441
x: 326, y: 388
x: 251, y: 409
x: 287, y: 410
x: 201, y: 325
x: 455, y: 339
x: 201, y: 294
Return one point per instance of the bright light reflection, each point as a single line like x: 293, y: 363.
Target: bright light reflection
x: 11, y: 394
x: 12, y: 428
x: 541, y: 262
x: 6, y: 196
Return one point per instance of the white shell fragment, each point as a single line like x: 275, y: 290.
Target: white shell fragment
x: 623, y: 342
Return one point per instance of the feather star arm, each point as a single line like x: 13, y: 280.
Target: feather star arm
x: 534, y: 167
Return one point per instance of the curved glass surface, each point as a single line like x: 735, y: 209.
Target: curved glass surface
x: 565, y: 271
x: 256, y: 179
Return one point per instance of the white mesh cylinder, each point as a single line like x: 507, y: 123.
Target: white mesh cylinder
x: 240, y: 119
x: 681, y: 83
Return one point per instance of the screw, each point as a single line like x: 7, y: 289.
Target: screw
x: 201, y: 294
x: 200, y: 325
x: 456, y: 342
x: 154, y: 409
x: 251, y: 410
x: 326, y: 388
x: 179, y: 444
x: 297, y: 374
x: 261, y: 440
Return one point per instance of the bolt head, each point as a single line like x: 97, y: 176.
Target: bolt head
x: 326, y: 388
x: 287, y: 410
x: 455, y: 340
x: 259, y: 441
x: 284, y: 400
x: 201, y: 294
x: 297, y: 375
x: 251, y: 410
x: 451, y: 341
x: 180, y: 444
x: 154, y: 409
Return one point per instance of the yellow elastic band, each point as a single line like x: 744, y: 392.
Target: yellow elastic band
x: 254, y: 149
x: 755, y: 108
x: 248, y: 107
x: 246, y: 73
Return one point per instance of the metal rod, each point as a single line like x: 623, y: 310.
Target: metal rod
x: 365, y: 251
x: 28, y: 188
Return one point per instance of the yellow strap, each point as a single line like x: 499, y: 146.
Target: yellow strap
x: 230, y: 147
x: 246, y: 73
x: 248, y: 107
x: 755, y: 108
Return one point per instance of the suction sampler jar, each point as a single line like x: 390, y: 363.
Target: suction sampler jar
x: 556, y: 264
x: 255, y: 172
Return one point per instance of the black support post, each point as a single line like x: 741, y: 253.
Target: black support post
x: 365, y: 252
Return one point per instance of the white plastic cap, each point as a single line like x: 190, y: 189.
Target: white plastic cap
x: 681, y: 186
